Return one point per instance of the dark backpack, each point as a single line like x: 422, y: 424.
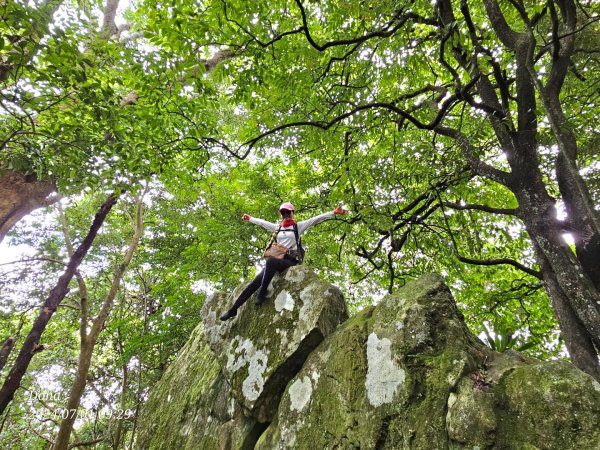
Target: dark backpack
x: 297, y: 254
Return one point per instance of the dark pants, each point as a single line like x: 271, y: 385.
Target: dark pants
x: 262, y: 280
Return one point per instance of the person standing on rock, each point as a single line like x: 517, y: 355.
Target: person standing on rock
x: 286, y: 233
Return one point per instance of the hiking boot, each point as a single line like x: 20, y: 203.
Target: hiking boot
x: 228, y: 315
x: 259, y: 300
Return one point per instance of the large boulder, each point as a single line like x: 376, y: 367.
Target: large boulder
x: 533, y: 405
x: 403, y: 374
x: 407, y: 374
x: 263, y: 347
x: 191, y: 407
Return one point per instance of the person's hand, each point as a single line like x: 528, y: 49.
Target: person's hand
x: 340, y: 211
x: 246, y: 217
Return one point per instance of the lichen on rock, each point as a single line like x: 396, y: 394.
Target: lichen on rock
x: 403, y: 374
x: 191, y: 407
x: 384, y: 375
x: 243, y: 354
x: 300, y: 392
x: 264, y: 346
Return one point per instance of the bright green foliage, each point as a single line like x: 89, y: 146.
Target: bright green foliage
x: 504, y: 340
x: 151, y: 320
x: 370, y: 158
x: 306, y: 112
x: 344, y: 147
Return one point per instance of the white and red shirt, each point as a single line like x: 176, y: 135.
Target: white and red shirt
x: 286, y: 235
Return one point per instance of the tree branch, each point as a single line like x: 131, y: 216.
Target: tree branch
x: 499, y: 261
x: 110, y: 12
x: 208, y: 65
x: 83, y: 292
x: 56, y: 295
x: 505, y: 33
x: 486, y: 262
x: 86, y: 443
x: 28, y: 260
x: 485, y: 208
x: 89, y: 340
x: 118, y: 276
x: 387, y: 30
x: 448, y: 104
x: 475, y: 164
x: 278, y: 37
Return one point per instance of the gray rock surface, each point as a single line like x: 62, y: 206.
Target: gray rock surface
x: 263, y: 347
x: 191, y: 407
x: 403, y: 374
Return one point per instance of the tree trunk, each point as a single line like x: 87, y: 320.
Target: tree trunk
x: 570, y: 290
x: 20, y: 195
x: 577, y: 340
x: 569, y: 281
x: 57, y: 294
x: 580, y: 224
x: 7, y: 347
x: 573, y: 281
x: 88, y: 341
x: 119, y: 431
x: 583, y: 219
x: 85, y: 359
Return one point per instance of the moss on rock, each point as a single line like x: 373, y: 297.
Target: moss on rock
x: 404, y: 374
x: 471, y: 419
x: 407, y: 374
x: 191, y: 407
x: 263, y: 347
x: 382, y: 380
x: 551, y: 405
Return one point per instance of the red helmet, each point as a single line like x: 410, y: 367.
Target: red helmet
x: 288, y: 206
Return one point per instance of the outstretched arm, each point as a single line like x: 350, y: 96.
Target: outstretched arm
x: 263, y: 223
x: 305, y: 224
